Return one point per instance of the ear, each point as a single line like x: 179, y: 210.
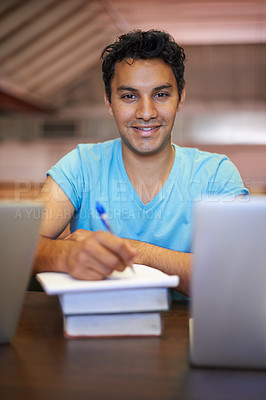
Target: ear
x: 182, y: 99
x: 108, y: 104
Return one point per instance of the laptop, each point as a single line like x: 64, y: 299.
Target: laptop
x: 228, y: 288
x: 20, y: 224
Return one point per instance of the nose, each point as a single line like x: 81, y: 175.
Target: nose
x: 146, y: 109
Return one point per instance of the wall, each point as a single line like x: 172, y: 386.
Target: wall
x: 23, y: 164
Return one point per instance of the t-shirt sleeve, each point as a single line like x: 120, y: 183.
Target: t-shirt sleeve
x: 226, y: 181
x: 68, y: 174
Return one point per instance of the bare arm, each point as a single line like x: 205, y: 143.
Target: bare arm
x: 169, y: 261
x: 94, y: 256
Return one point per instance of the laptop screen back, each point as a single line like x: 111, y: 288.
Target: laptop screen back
x: 20, y: 223
x: 229, y: 284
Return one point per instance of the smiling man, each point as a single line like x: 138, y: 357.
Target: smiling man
x: 144, y: 101
x: 147, y: 184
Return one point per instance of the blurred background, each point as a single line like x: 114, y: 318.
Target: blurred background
x: 51, y: 90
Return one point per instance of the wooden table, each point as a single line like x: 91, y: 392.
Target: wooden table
x: 41, y: 364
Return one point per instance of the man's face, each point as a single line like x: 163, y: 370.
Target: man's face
x: 144, y: 102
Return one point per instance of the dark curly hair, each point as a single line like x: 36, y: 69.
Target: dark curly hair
x: 143, y: 45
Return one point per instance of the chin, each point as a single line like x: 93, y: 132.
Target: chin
x: 147, y: 151
x: 148, y: 148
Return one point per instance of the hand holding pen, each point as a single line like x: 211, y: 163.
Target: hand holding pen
x: 104, y: 218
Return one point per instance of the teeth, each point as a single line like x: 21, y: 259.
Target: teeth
x: 146, y: 129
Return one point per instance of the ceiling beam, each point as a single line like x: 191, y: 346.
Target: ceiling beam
x: 13, y: 99
x: 41, y: 32
x: 22, y: 16
x: 46, y: 57
x: 87, y: 57
x: 116, y: 17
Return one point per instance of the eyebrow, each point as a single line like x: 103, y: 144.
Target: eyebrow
x: 131, y: 89
x: 127, y: 88
x: 165, y: 86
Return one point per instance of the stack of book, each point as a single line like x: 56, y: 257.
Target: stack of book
x: 127, y: 303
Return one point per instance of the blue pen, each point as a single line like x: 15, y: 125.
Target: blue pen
x: 104, y: 218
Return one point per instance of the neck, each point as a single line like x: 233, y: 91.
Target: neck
x: 148, y: 173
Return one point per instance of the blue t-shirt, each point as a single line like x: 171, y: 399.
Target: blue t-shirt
x: 96, y: 172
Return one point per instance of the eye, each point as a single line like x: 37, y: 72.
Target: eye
x: 161, y: 95
x: 129, y: 97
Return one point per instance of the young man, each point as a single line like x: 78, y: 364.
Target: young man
x: 147, y: 184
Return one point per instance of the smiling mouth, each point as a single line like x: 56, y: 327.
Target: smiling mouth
x: 146, y: 129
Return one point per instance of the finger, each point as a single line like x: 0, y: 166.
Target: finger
x: 79, y: 235
x: 102, y: 258
x: 87, y: 257
x: 118, y: 246
x: 87, y: 274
